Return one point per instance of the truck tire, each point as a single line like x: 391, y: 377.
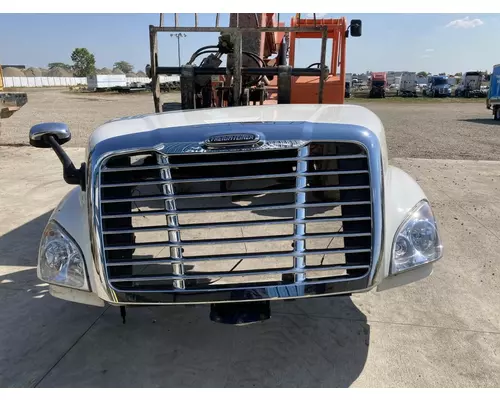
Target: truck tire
x: 496, y: 113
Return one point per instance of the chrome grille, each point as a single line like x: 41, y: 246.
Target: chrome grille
x: 239, y: 219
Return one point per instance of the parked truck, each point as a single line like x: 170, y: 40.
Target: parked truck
x: 493, y: 99
x: 438, y: 86
x: 234, y: 206
x: 470, y: 86
x: 348, y: 85
x: 100, y: 83
x: 408, y: 85
x: 378, y: 84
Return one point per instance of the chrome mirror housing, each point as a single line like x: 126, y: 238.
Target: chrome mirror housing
x: 58, y: 130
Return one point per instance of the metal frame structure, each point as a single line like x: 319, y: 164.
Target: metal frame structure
x: 189, y: 73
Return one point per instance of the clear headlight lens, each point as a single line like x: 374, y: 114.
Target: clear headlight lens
x: 417, y: 240
x: 60, y: 259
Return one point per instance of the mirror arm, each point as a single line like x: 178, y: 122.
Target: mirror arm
x: 71, y: 175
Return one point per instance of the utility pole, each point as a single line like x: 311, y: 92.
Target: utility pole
x: 178, y: 36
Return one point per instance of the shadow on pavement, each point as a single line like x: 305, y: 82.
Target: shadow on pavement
x: 36, y: 330
x: 307, y: 343
x: 172, y: 106
x: 484, y: 121
x: 19, y: 247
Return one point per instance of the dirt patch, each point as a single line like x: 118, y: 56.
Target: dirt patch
x: 428, y: 129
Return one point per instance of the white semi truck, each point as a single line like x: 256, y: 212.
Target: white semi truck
x: 470, y: 86
x: 234, y: 207
x: 408, y: 85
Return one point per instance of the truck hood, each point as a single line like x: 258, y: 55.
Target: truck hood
x: 151, y: 124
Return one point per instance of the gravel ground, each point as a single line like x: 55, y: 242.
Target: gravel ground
x: 438, y: 128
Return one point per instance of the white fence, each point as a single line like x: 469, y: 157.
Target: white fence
x: 56, y: 81
x: 42, y: 81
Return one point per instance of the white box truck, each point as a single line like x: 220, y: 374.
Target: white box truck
x: 107, y: 82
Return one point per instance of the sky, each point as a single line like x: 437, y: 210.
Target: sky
x: 435, y: 43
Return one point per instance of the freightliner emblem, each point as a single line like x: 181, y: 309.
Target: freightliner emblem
x: 232, y: 139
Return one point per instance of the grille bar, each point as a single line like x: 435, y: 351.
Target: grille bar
x: 234, y: 178
x: 221, y: 274
x: 299, y: 228
x: 237, y: 193
x: 235, y: 162
x: 278, y: 238
x: 312, y: 195
x: 174, y: 235
x: 216, y: 225
x: 169, y: 260
x: 239, y: 208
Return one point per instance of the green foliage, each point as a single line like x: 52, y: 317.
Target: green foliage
x: 423, y: 73
x: 124, y: 66
x: 84, y: 62
x: 60, y: 65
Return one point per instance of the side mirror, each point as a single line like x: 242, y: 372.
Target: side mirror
x: 54, y: 134
x: 40, y: 133
x: 356, y: 27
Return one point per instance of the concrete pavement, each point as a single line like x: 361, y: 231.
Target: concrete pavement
x: 442, y: 331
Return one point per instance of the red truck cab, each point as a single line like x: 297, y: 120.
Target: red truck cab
x: 378, y: 84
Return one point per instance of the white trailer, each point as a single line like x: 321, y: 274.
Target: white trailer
x: 408, y: 85
x: 107, y: 82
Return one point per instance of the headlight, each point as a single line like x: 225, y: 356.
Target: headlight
x: 60, y: 259
x: 417, y: 240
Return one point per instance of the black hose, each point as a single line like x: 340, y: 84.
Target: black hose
x: 200, y: 51
x: 256, y: 58
x: 205, y: 48
x: 313, y: 64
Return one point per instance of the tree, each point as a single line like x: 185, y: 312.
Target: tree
x: 422, y: 73
x: 60, y: 65
x: 84, y: 62
x: 123, y: 66
x: 458, y: 74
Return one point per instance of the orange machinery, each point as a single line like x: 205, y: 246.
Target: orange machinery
x: 304, y: 88
x: 262, y: 40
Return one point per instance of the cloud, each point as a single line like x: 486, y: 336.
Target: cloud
x: 320, y: 15
x: 465, y: 23
x: 429, y: 50
x: 426, y: 56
